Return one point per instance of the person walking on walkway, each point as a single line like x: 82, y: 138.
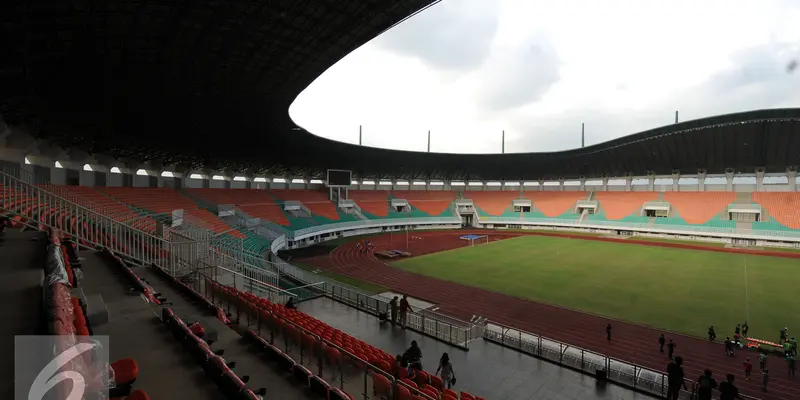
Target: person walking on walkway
x: 608, y: 333
x: 675, y: 379
x: 727, y: 390
x: 404, y: 309
x: 393, y: 310
x: 445, y: 371
x: 661, y: 342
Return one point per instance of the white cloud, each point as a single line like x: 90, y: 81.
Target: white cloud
x: 469, y: 69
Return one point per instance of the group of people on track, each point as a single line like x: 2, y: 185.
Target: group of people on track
x: 728, y: 390
x: 365, y: 247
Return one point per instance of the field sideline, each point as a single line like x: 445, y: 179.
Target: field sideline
x: 674, y: 289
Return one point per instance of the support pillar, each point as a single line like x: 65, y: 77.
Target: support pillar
x: 791, y: 175
x: 651, y: 182
x: 729, y: 179
x: 676, y: 176
x: 759, y: 179
x: 541, y: 185
x: 628, y: 183
x: 701, y: 180
x: 583, y: 184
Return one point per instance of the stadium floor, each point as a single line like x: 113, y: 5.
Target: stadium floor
x: 487, y: 369
x: 633, y: 343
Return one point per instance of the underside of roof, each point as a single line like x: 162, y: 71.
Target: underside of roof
x: 208, y: 84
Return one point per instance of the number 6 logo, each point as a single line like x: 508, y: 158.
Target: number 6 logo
x: 48, y: 378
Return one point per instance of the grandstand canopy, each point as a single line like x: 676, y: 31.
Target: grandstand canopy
x: 209, y: 84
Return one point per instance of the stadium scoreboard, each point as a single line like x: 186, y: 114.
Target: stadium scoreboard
x: 339, y: 178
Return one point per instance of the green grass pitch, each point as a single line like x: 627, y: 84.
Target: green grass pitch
x: 674, y: 289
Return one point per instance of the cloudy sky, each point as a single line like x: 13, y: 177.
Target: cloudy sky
x: 468, y: 69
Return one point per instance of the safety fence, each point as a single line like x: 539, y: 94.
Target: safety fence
x: 589, y: 362
x: 654, y: 228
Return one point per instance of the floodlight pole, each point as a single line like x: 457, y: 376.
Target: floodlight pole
x: 359, y: 135
x: 407, y: 248
x: 503, y: 145
x: 429, y: 140
x: 676, y: 117
x: 583, y: 134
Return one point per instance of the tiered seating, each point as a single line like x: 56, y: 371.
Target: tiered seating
x: 315, y: 200
x: 375, y: 202
x: 308, y: 332
x: 164, y: 200
x: 492, y: 203
x: 782, y: 207
x: 102, y: 204
x: 432, y: 202
x: 256, y: 203
x: 67, y: 320
x: 555, y: 204
x: 619, y: 205
x: 697, y: 207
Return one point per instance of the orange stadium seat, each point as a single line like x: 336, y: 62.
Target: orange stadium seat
x: 255, y: 202
x: 432, y: 202
x: 165, y: 200
x: 493, y: 202
x: 375, y: 202
x: 315, y: 200
x: 618, y: 205
x: 553, y: 204
x: 699, y: 207
x: 782, y: 207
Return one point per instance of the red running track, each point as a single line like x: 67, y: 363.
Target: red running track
x: 631, y: 342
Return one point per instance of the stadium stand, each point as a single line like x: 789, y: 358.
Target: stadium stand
x: 315, y: 200
x: 555, y: 204
x: 494, y: 203
x: 433, y: 203
x: 373, y: 202
x: 620, y: 205
x: 256, y: 203
x: 784, y: 208
x: 697, y: 207
x: 164, y: 201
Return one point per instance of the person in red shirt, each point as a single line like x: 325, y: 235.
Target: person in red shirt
x: 404, y: 309
x: 747, y: 369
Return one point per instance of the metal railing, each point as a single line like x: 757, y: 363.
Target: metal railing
x: 655, y: 228
x: 351, y: 372
x: 447, y: 329
x: 589, y: 362
x: 372, y: 224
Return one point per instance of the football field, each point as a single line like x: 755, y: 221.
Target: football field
x: 673, y: 289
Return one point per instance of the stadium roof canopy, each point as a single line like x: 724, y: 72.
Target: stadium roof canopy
x: 208, y: 84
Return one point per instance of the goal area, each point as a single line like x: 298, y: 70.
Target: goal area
x: 472, y: 240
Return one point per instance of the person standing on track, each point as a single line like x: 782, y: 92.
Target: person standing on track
x: 792, y: 363
x: 671, y: 349
x: 748, y: 368
x: 762, y: 361
x: 675, y: 378
x: 712, y: 333
x: 738, y: 329
x: 661, y: 341
x: 764, y: 380
x: 404, y: 309
x: 784, y: 334
x: 745, y: 328
x: 793, y: 341
x: 608, y: 333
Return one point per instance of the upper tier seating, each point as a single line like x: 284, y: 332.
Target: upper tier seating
x: 315, y: 200
x: 782, y: 207
x: 553, y: 204
x: 493, y: 202
x: 102, y: 204
x: 375, y: 202
x: 699, y: 207
x: 432, y: 202
x: 618, y: 205
x: 254, y: 202
x: 164, y: 200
